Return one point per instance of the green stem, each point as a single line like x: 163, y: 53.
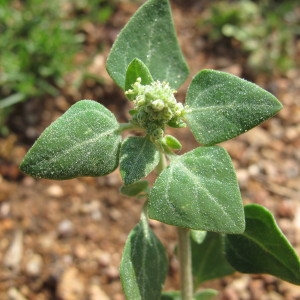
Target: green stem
x: 184, y: 249
x: 128, y: 126
x: 185, y: 260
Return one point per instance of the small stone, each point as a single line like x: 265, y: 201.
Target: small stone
x: 112, y: 272
x: 70, y: 285
x: 65, y: 228
x: 55, y: 191
x: 13, y: 256
x: 34, y: 265
x: 103, y: 258
x: 14, y: 294
x: 243, y: 177
x: 96, y: 293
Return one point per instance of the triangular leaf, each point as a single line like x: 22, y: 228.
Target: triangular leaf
x: 134, y: 188
x: 222, y: 106
x: 150, y: 37
x: 144, y: 264
x: 83, y: 142
x: 263, y: 248
x: 138, y: 157
x: 198, y: 236
x: 208, y: 259
x: 199, y: 190
x: 137, y: 69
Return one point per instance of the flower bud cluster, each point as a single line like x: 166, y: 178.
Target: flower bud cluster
x: 155, y: 107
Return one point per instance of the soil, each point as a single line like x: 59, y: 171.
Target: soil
x: 64, y: 239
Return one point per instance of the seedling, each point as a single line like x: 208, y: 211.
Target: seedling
x: 197, y: 191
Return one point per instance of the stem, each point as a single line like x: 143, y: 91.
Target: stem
x: 184, y: 249
x: 185, y: 260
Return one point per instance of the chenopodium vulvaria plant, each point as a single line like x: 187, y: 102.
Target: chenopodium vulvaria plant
x: 196, y: 191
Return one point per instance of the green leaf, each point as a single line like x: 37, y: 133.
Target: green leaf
x: 263, y: 248
x: 138, y: 157
x: 199, y: 190
x: 134, y: 188
x: 208, y: 259
x: 171, y: 295
x: 144, y: 264
x: 198, y: 236
x: 83, y: 142
x: 206, y: 294
x: 137, y: 69
x: 171, y: 142
x: 223, y: 106
x: 150, y: 37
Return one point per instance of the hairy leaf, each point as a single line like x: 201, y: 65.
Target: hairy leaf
x: 150, y: 37
x: 199, y: 190
x: 137, y: 69
x: 138, y: 157
x: 208, y: 259
x: 263, y: 248
x: 134, y: 188
x: 83, y: 142
x: 222, y: 106
x: 144, y: 264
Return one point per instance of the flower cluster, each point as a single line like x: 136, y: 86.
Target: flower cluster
x: 155, y: 107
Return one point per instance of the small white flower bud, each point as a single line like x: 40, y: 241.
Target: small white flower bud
x: 158, y: 105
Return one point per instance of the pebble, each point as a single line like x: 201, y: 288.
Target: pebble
x: 13, y: 256
x: 96, y: 293
x: 14, y: 294
x: 55, y: 191
x: 34, y: 266
x: 70, y: 285
x: 112, y: 272
x: 65, y: 228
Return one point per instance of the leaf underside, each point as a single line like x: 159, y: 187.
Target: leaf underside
x: 223, y: 106
x: 138, y: 157
x: 144, y: 264
x: 150, y: 37
x: 263, y: 248
x: 208, y: 259
x: 199, y: 190
x: 82, y: 142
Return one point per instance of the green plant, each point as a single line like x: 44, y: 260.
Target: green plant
x: 198, y: 191
x: 266, y: 30
x: 38, y: 41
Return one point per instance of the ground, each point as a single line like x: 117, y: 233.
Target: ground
x: 63, y: 240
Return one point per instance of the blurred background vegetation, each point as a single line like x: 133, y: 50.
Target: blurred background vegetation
x: 39, y: 39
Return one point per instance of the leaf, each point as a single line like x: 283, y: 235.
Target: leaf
x: 198, y: 236
x: 171, y: 295
x: 223, y: 106
x: 263, y: 248
x: 199, y: 190
x: 172, y: 142
x: 144, y: 264
x: 149, y: 36
x: 205, y: 294
x: 138, y: 157
x: 134, y: 188
x: 208, y: 259
x: 137, y: 69
x: 82, y: 142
